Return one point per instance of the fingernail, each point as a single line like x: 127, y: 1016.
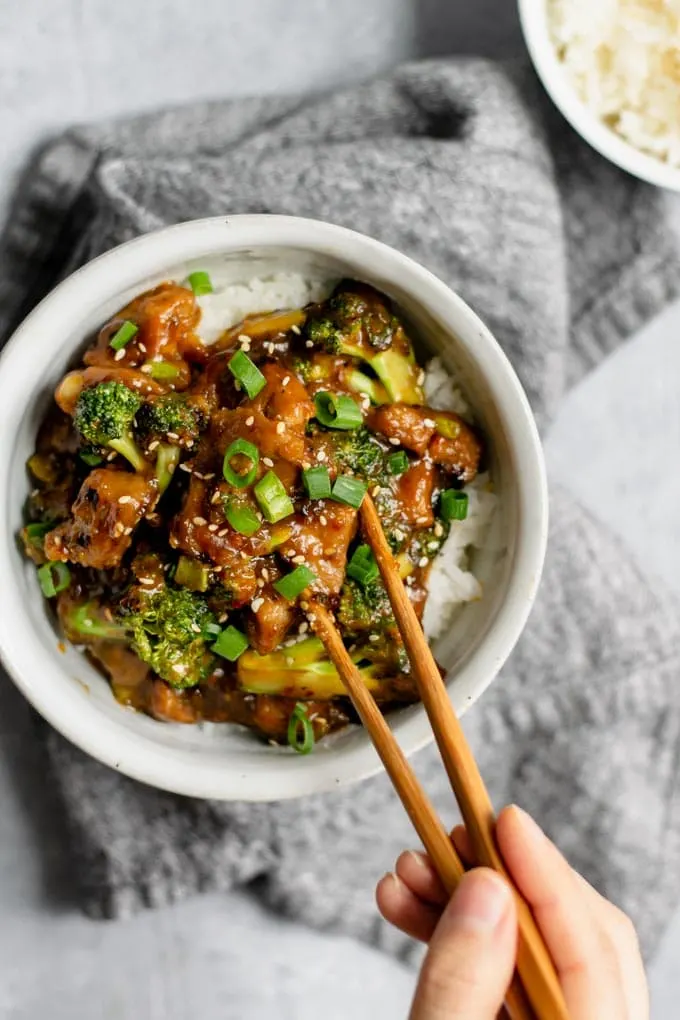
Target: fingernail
x: 418, y: 859
x: 531, y: 829
x: 390, y: 876
x: 480, y: 902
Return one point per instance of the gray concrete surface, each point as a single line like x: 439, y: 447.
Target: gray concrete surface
x: 221, y: 957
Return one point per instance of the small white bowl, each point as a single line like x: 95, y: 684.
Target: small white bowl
x: 534, y: 21
x: 225, y: 761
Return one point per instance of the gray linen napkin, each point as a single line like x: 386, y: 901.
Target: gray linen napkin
x: 462, y: 165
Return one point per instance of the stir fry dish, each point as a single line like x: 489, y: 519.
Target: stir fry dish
x: 189, y: 498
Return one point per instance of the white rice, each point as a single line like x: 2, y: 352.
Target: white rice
x: 623, y: 57
x: 452, y: 582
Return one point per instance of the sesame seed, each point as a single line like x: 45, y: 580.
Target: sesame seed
x: 421, y: 377
x: 394, y: 441
x: 309, y: 343
x: 172, y: 435
x: 438, y: 530
x: 423, y: 561
x: 299, y: 558
x: 200, y: 521
x: 222, y: 618
x: 259, y: 583
x: 323, y: 520
x: 209, y: 477
x: 268, y: 462
x: 119, y: 355
x: 212, y: 527
x: 303, y: 628
x: 219, y: 673
x: 57, y: 540
x: 375, y: 491
x: 197, y: 474
x: 285, y: 380
x: 429, y: 423
x: 311, y: 617
x: 422, y: 520
x: 399, y: 534
x: 124, y: 499
x: 185, y: 467
x: 290, y: 552
x: 321, y: 456
x: 296, y: 330
x: 196, y: 629
x: 281, y: 427
x: 146, y: 580
x: 222, y: 532
x: 111, y: 456
x: 142, y: 347
x: 256, y: 604
x: 373, y: 638
x: 304, y: 606
x: 146, y: 369
x: 306, y: 464
x: 137, y: 383
x: 265, y: 573
x: 250, y: 420
x: 409, y: 581
x: 270, y: 347
x: 215, y: 498
x: 153, y: 445
x: 128, y: 531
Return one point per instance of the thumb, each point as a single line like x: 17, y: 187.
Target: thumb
x: 471, y: 956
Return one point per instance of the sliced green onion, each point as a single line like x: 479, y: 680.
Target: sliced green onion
x: 123, y: 335
x: 294, y: 584
x: 453, y: 505
x: 247, y: 374
x: 338, y: 411
x: 241, y: 447
x: 242, y: 519
x: 349, y: 490
x: 167, y: 460
x: 53, y: 577
x: 91, y: 459
x: 362, y: 566
x: 192, y: 574
x: 397, y: 463
x: 231, y: 643
x: 200, y: 282
x: 273, y: 499
x: 36, y: 532
x: 317, y: 482
x: 163, y: 370
x: 300, y: 730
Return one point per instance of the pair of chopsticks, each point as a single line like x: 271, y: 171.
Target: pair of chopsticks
x: 535, y: 991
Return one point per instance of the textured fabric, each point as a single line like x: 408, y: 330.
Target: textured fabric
x: 463, y: 166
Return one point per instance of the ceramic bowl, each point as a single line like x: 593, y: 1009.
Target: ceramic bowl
x: 226, y: 761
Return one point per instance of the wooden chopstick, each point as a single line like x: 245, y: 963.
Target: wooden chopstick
x: 418, y: 805
x: 534, y: 964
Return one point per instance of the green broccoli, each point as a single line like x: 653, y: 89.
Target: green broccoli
x: 104, y: 416
x: 170, y: 418
x: 87, y: 621
x: 364, y: 608
x: 299, y: 671
x: 357, y: 324
x: 171, y: 628
x: 359, y: 452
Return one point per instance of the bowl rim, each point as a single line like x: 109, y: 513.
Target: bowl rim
x: 533, y: 16
x: 129, y: 264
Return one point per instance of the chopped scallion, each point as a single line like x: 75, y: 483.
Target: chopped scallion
x: 397, y: 462
x: 200, y: 282
x: 273, y: 500
x: 349, y: 490
x: 247, y: 374
x: 294, y: 584
x: 300, y: 730
x: 163, y: 370
x: 231, y: 643
x: 453, y: 505
x: 123, y: 335
x: 317, y: 482
x: 338, y: 411
x: 53, y: 577
x: 192, y: 574
x: 242, y: 519
x: 91, y: 459
x: 36, y: 532
x: 362, y: 566
x: 241, y: 448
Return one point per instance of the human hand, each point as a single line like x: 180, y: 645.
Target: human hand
x: 473, y: 936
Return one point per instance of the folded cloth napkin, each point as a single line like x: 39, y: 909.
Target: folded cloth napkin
x: 464, y: 166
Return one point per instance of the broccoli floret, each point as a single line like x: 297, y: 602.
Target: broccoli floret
x: 299, y: 671
x: 358, y: 451
x: 171, y: 628
x: 358, y: 324
x: 170, y: 418
x: 87, y: 621
x: 364, y: 608
x: 104, y: 416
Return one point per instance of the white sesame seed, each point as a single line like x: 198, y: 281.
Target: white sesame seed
x: 153, y: 445
x: 222, y: 532
x: 142, y: 347
x: 438, y: 530
x: 281, y: 427
x: 250, y: 420
x: 265, y: 573
x: 146, y: 580
x: 421, y: 377
x: 303, y: 628
x: 124, y: 499
x: 146, y: 369
x: 394, y: 441
x: 222, y: 618
x: 57, y: 540
x: 196, y: 629
x: 422, y: 520
x: 309, y: 343
x: 219, y: 673
x: 290, y: 552
x: 200, y: 521
x: 256, y: 604
x: 185, y: 467
x: 197, y: 474
x: 423, y: 561
x: 270, y: 347
x: 212, y: 527
x: 259, y: 583
x: 215, y: 498
x: 299, y: 558
x: 296, y: 330
x: 285, y: 380
x: 429, y: 423
x: 375, y: 491
x: 209, y: 477
x: 304, y: 606
x: 111, y: 456
x: 268, y: 462
x: 373, y: 638
x: 127, y: 531
x: 137, y: 383
x: 399, y: 534
x: 172, y: 435
x: 119, y: 355
x: 323, y: 520
x: 409, y: 581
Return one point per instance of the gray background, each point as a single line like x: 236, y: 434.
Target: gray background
x: 63, y: 61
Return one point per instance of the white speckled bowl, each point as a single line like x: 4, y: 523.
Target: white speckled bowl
x: 226, y: 761
x: 534, y: 20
